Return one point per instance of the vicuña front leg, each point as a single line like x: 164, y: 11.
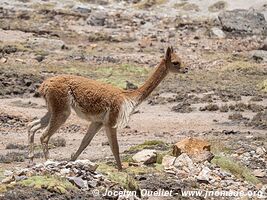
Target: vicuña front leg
x: 113, y: 142
x: 93, y: 129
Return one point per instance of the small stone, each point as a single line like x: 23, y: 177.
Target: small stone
x: 259, y: 173
x: 39, y: 165
x: 217, y: 32
x: 64, y: 171
x: 168, y: 161
x: 8, y: 180
x: 184, y: 162
x: 51, y: 163
x: 8, y: 173
x: 20, y: 178
x: 79, y: 182
x: 93, y: 183
x: 146, y: 156
x: 204, y: 175
x: 90, y: 165
x: 260, y: 151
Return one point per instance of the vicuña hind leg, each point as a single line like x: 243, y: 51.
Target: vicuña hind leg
x: 33, y: 128
x: 93, y: 129
x: 56, y: 120
x: 113, y: 142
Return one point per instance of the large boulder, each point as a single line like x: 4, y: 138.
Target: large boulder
x: 198, y: 150
x: 243, y: 22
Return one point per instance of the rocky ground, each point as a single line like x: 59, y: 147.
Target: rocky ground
x: 218, y: 110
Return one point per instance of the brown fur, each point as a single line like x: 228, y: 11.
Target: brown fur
x: 100, y: 103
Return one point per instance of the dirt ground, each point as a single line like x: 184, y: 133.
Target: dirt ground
x: 222, y: 99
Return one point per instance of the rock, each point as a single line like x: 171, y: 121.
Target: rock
x: 82, y: 9
x: 168, y: 161
x: 202, y: 157
x: 64, y: 171
x: 89, y: 165
x: 97, y: 18
x: 191, y: 146
x: 261, y: 151
x: 217, y: 33
x: 45, y: 43
x: 264, y: 47
x: 259, y: 55
x: 204, y: 175
x: 8, y: 180
x: 93, y: 183
x: 20, y: 178
x: 79, y: 182
x: 260, y: 173
x: 243, y: 22
x: 130, y: 86
x: 40, y: 58
x: 8, y: 173
x: 146, y: 156
x: 224, y: 108
x: 184, y: 162
x: 51, y: 163
x: 3, y: 60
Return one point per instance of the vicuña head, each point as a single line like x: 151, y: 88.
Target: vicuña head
x: 101, y: 104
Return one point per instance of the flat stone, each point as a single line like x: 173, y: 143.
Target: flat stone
x: 64, y: 171
x: 260, y: 173
x: 79, y: 182
x: 168, y: 161
x: 184, y: 162
x: 146, y: 156
x: 8, y: 180
x: 217, y: 33
x: 204, y: 175
x: 89, y: 165
x: 243, y: 21
x: 51, y: 163
x: 8, y: 173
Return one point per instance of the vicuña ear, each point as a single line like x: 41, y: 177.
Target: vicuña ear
x: 172, y: 49
x: 168, y: 54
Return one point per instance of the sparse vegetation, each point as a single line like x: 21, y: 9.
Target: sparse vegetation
x: 235, y: 168
x: 51, y: 183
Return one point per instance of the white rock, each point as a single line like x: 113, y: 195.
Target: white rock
x: 39, y: 165
x: 204, y: 175
x: 146, y: 156
x: 92, y: 166
x: 51, y: 163
x: 168, y: 161
x: 260, y: 151
x: 184, y: 162
x: 8, y: 173
x: 8, y: 180
x: 64, y: 171
x: 217, y: 33
x: 259, y: 173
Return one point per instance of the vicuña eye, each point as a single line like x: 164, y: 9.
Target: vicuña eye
x: 176, y: 63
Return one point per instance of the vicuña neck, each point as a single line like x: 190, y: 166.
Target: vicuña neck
x: 151, y: 83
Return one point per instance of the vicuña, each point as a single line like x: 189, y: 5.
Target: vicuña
x: 100, y: 103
